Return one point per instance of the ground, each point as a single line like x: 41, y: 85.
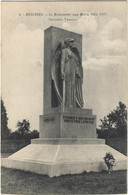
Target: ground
x: 21, y: 182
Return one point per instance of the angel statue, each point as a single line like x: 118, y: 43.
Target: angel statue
x: 67, y: 74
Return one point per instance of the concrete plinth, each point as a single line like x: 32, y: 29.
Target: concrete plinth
x: 70, y: 123
x: 60, y: 159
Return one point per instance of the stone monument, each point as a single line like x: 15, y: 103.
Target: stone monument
x: 64, y: 116
x: 68, y: 141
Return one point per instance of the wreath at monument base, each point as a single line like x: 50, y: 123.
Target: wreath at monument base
x: 109, y: 161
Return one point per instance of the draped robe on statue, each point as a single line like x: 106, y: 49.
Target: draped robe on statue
x: 72, y: 70
x: 68, y: 62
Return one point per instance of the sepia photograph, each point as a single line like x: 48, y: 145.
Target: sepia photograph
x: 64, y: 97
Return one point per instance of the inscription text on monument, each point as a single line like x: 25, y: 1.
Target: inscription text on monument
x: 49, y: 119
x: 75, y: 119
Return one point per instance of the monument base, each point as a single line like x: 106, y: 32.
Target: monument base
x: 55, y: 157
x: 68, y: 123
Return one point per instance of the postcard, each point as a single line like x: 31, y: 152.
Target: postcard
x: 37, y: 42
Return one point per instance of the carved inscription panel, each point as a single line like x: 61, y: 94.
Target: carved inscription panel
x: 49, y: 119
x: 78, y: 119
x: 72, y: 119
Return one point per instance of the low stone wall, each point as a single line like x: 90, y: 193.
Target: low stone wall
x: 11, y: 146
x: 119, y: 144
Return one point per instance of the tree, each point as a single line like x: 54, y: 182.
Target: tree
x: 23, y: 128
x: 34, y: 134
x: 5, y: 132
x: 115, y: 123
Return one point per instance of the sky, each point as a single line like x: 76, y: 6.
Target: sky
x: 103, y: 29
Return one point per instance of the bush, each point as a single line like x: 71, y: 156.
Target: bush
x: 31, y: 135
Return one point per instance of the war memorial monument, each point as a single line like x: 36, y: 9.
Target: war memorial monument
x: 68, y: 143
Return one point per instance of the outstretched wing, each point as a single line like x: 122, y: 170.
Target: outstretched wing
x: 56, y: 72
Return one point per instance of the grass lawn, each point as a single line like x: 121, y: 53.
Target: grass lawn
x: 21, y: 182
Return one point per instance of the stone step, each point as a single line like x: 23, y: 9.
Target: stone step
x: 64, y: 141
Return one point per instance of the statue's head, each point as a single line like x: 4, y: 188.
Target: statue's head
x: 69, y: 42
